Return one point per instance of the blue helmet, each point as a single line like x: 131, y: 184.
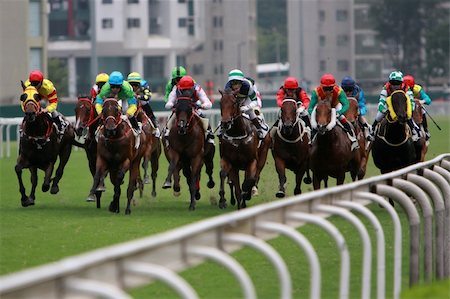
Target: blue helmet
x: 115, y: 78
x: 348, y: 81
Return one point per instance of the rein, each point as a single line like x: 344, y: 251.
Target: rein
x: 298, y: 122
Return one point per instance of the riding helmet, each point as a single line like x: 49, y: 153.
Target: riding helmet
x: 115, y: 78
x: 409, y: 80
x: 236, y: 75
x: 178, y: 72
x: 36, y: 75
x: 134, y: 77
x: 396, y: 76
x: 186, y: 83
x: 290, y: 83
x: 327, y: 80
x: 102, y: 78
x: 348, y: 81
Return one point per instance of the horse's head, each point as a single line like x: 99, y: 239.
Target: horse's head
x: 229, y: 108
x: 111, y: 116
x: 183, y: 111
x: 323, y: 117
x: 30, y: 99
x: 399, y: 107
x: 418, y: 112
x: 83, y: 113
x: 288, y: 115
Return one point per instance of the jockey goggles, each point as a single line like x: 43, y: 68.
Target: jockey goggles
x: 327, y: 88
x: 135, y: 84
x: 115, y: 86
x: 395, y: 82
x: 235, y: 82
x: 348, y: 88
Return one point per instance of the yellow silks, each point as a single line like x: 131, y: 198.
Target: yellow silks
x: 392, y: 113
x: 30, y: 91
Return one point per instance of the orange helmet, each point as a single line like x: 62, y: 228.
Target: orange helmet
x: 327, y: 80
x: 409, y: 80
x: 290, y: 83
x: 186, y: 82
x: 36, y: 75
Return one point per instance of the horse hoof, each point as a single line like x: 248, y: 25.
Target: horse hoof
x: 54, y: 190
x: 176, y: 189
x: 153, y: 193
x: 91, y: 198
x: 307, y: 180
x: 211, y: 184
x: 167, y: 185
x: 233, y: 201
x: 197, y: 195
x: 101, y: 188
x: 176, y: 194
x: 246, y: 196
x: 222, y: 205
x: 146, y: 180
x: 255, y: 191
x: 191, y: 207
x: 45, y: 187
x: 279, y: 194
x: 28, y: 202
x: 127, y: 212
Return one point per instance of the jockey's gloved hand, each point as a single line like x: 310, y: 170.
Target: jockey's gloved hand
x: 300, y: 109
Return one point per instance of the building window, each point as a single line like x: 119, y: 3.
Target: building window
x: 197, y: 69
x: 133, y: 23
x: 107, y: 1
x: 342, y: 40
x: 107, y: 23
x: 342, y: 65
x: 322, y: 40
x: 341, y: 15
x: 36, y: 58
x: 191, y: 30
x: 321, y: 15
x: 181, y: 1
x: 217, y: 22
x: 182, y: 22
x: 322, y: 65
x: 133, y: 1
x: 34, y: 19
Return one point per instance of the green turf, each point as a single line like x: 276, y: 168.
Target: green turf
x: 65, y: 224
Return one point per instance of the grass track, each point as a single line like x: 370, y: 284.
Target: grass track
x: 64, y: 225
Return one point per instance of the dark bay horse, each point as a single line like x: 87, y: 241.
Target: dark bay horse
x: 40, y: 147
x: 420, y: 145
x: 185, y: 150
x: 360, y: 155
x: 290, y: 146
x: 238, y: 151
x: 117, y: 153
x: 393, y: 147
x: 331, y: 152
x: 87, y: 122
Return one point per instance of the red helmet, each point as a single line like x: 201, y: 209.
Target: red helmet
x: 36, y: 76
x: 409, y: 80
x: 186, y: 82
x: 327, y: 80
x: 290, y: 82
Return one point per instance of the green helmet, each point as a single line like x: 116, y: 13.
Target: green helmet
x: 178, y: 72
x: 236, y: 75
x: 396, y: 76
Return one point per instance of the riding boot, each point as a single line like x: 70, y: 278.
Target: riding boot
x: 415, y: 130
x: 305, y: 118
x: 56, y: 120
x: 374, y: 127
x: 349, y: 129
x: 136, y: 125
x: 425, y: 127
x: 259, y: 128
x: 368, y: 131
x: 209, y: 135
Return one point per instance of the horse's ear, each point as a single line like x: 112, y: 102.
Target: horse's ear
x: 23, y: 85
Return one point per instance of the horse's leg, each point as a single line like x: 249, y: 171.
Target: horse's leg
x: 262, y: 158
x: 172, y: 165
x: 249, y: 182
x: 223, y: 177
x: 281, y: 170
x: 98, y: 176
x: 64, y: 156
x: 233, y: 175
x: 210, y: 150
x: 145, y: 167
x: 34, y: 181
x: 196, y: 166
x: 176, y: 180
x: 155, y: 166
x: 48, y: 173
x: 134, y: 176
x: 116, y: 179
x: 316, y: 181
x: 340, y: 178
x: 18, y: 168
x: 298, y: 180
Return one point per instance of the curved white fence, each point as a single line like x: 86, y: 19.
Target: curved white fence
x: 109, y: 272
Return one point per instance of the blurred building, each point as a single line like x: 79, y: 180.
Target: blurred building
x: 209, y: 38
x: 334, y: 37
x: 23, y: 37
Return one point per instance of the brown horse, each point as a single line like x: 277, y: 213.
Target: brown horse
x: 86, y: 123
x: 360, y: 156
x: 117, y: 153
x: 290, y: 146
x: 421, y: 145
x: 238, y: 151
x: 331, y: 152
x: 393, y: 147
x: 40, y: 147
x: 185, y: 150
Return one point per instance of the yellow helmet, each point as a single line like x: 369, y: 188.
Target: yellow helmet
x: 102, y: 77
x: 134, y: 77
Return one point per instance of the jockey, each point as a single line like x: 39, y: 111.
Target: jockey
x: 197, y: 95
x: 352, y: 89
x: 395, y: 83
x: 177, y: 73
x: 237, y: 82
x: 46, y: 91
x: 143, y: 93
x: 422, y: 96
x: 100, y: 80
x: 123, y: 91
x: 291, y: 89
x: 339, y: 101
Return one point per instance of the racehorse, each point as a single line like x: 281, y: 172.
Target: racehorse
x: 331, y: 153
x: 393, y: 147
x: 420, y: 145
x: 117, y: 152
x: 360, y: 156
x: 290, y: 146
x: 40, y: 146
x: 185, y: 150
x: 87, y: 122
x: 238, y: 151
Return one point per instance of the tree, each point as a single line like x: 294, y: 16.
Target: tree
x: 415, y: 34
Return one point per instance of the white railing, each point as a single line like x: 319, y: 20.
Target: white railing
x: 109, y: 272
